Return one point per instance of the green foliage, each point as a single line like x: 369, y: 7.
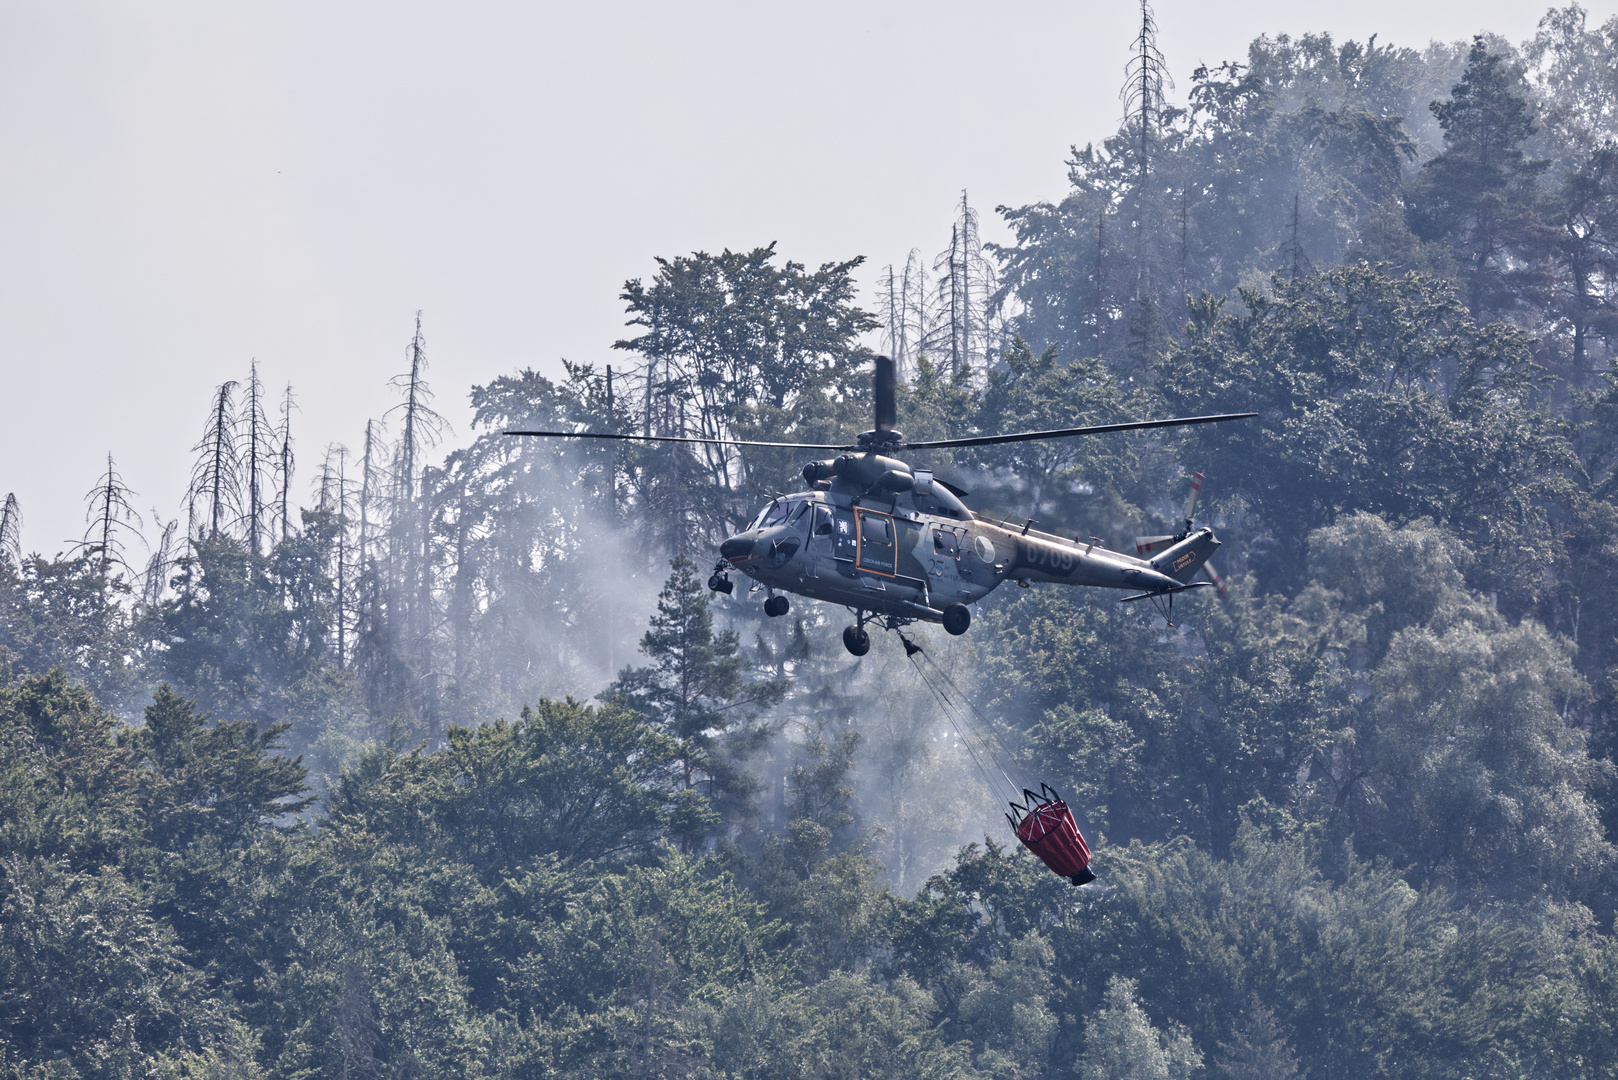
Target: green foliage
x: 69, y: 790
x: 1350, y: 818
x: 225, y: 781
x: 697, y: 693
x: 1122, y: 1044
x: 1376, y: 393
x: 566, y: 781
x: 69, y: 613
x: 89, y: 980
x: 1478, y: 194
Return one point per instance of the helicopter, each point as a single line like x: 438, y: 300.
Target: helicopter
x: 897, y: 545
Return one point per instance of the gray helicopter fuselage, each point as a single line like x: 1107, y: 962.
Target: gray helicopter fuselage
x: 875, y: 535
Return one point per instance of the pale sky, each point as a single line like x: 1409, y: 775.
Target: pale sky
x: 185, y: 187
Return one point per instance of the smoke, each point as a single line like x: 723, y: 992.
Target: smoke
x: 918, y: 795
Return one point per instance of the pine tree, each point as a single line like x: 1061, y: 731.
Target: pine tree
x: 336, y: 495
x: 409, y: 580
x: 1258, y: 1049
x: 1122, y: 1044
x: 1584, y: 251
x: 697, y: 691
x: 1478, y: 195
x: 915, y: 324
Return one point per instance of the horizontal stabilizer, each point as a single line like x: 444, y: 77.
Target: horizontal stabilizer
x: 1166, y: 592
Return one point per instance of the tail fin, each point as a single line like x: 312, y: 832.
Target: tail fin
x: 1182, y: 561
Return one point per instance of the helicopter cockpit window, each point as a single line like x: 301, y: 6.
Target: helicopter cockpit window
x: 776, y: 514
x: 822, y: 520
x: 797, y: 512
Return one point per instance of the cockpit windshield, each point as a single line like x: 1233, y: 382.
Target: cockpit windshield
x: 773, y: 514
x: 781, y: 512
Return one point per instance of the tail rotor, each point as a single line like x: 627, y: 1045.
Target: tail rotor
x: 1147, y: 546
x: 1191, y: 501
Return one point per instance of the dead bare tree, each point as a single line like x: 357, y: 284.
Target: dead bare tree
x: 109, y: 511
x: 11, y: 529
x: 337, y: 498
x: 1146, y: 79
x: 284, y: 463
x: 422, y: 426
x: 410, y: 550
x: 966, y: 293
x: 257, y: 453
x: 155, y: 578
x: 216, y: 479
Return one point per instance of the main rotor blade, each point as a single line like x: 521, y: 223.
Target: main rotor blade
x: 676, y: 439
x: 1191, y: 499
x: 1064, y: 433
x: 887, y: 411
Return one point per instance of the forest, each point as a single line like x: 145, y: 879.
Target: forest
x: 435, y: 758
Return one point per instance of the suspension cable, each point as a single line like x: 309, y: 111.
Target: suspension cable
x: 970, y: 733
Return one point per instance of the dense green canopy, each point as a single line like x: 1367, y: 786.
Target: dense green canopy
x: 463, y: 772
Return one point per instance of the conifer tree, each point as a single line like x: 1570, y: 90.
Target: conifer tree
x: 1478, y: 196
x: 1121, y: 1042
x: 697, y: 690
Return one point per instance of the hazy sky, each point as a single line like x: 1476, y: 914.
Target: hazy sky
x: 185, y: 187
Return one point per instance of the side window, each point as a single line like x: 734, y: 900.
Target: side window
x: 797, y: 512
x: 822, y: 521
x: 946, y: 543
x: 876, y: 550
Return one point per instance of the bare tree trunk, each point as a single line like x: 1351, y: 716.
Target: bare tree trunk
x: 954, y: 308
x: 286, y: 464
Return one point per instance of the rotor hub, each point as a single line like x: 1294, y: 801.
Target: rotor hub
x: 881, y: 440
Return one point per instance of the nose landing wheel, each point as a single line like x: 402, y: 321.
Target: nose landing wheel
x: 856, y: 640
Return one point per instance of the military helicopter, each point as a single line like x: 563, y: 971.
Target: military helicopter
x: 896, y: 545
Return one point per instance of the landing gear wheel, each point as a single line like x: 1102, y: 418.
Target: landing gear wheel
x: 856, y: 640
x: 957, y: 617
x: 776, y: 606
